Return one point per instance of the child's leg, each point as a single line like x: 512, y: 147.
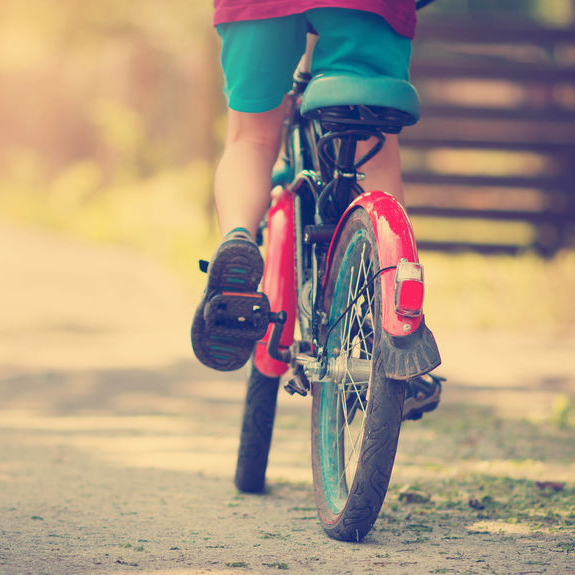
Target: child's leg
x: 383, y: 172
x: 243, y: 176
x: 258, y: 60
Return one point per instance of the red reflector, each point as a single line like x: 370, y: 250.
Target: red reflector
x: 409, y: 298
x: 409, y: 289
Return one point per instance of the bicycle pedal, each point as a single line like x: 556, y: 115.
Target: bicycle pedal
x: 298, y: 383
x: 295, y: 385
x: 238, y: 314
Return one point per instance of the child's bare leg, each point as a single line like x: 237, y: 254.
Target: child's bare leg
x: 243, y: 176
x: 383, y: 172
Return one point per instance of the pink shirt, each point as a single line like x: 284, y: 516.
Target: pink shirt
x: 400, y: 14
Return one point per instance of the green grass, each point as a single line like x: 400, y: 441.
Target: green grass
x: 475, y: 474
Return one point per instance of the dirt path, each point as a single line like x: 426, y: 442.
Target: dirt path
x: 117, y: 448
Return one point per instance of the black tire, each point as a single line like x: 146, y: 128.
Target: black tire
x: 256, y: 434
x: 355, y: 422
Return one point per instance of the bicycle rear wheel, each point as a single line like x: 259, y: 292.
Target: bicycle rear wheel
x: 256, y: 434
x: 356, y: 413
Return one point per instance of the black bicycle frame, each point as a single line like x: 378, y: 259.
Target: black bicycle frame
x: 322, y: 156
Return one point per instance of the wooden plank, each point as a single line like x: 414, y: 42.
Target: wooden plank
x: 473, y: 32
x: 534, y: 113
x: 471, y: 129
x: 515, y: 71
x: 459, y: 246
x: 431, y: 141
x: 477, y: 198
x: 483, y: 54
x: 513, y: 181
x: 493, y: 214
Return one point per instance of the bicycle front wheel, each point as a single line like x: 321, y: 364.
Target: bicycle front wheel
x: 256, y: 434
x: 356, y: 413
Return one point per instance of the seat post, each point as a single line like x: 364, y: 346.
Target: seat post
x: 344, y: 175
x: 346, y: 156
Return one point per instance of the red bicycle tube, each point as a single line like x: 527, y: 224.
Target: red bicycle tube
x: 279, y: 281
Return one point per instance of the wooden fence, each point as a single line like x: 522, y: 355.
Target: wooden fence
x: 491, y: 164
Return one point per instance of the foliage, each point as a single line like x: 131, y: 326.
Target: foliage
x: 104, y: 153
x: 162, y: 215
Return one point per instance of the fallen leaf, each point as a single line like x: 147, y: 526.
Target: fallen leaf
x: 414, y: 497
x: 553, y: 485
x: 475, y: 503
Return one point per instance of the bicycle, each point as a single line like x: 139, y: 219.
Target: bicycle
x: 345, y: 264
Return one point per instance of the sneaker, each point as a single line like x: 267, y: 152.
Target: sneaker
x: 421, y: 395
x: 237, y: 266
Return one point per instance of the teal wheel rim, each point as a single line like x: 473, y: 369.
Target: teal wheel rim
x: 344, y: 403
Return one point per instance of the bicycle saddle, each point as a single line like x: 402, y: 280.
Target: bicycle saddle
x: 349, y: 98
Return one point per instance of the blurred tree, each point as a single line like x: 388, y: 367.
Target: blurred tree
x: 155, y: 60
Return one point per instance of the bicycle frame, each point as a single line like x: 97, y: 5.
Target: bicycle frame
x: 279, y: 280
x: 302, y: 232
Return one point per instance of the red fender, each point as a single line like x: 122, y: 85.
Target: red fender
x: 279, y: 279
x: 395, y: 240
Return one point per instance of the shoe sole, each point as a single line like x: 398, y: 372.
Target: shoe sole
x: 414, y: 409
x: 237, y: 265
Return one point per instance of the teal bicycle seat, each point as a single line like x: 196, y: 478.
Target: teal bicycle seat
x: 388, y: 97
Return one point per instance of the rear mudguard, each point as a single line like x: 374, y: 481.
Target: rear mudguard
x: 279, y: 279
x: 411, y: 349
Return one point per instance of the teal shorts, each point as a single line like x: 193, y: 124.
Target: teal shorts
x: 260, y: 56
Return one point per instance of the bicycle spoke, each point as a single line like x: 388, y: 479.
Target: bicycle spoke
x: 352, y: 294
x: 358, y: 396
x: 356, y: 340
x: 352, y: 458
x: 364, y: 317
x: 352, y: 441
x: 346, y: 329
x: 346, y: 391
x: 360, y: 343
